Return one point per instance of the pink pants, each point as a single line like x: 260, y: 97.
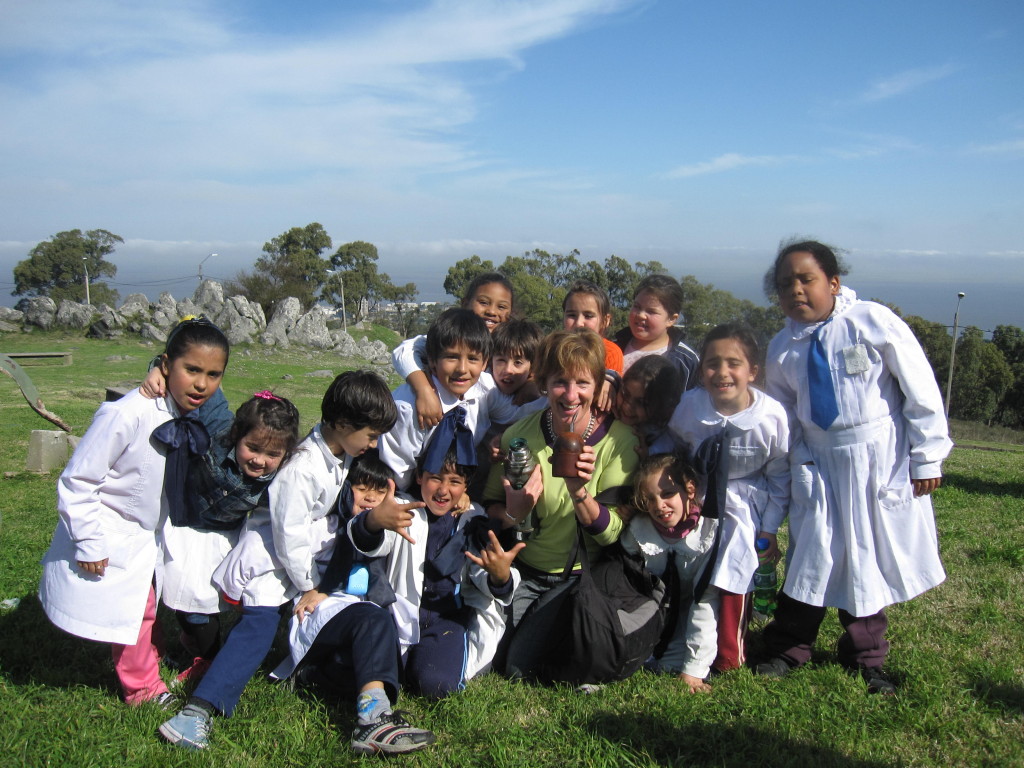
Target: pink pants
x: 138, y: 666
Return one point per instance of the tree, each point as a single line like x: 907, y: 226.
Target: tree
x: 1010, y: 341
x: 936, y: 341
x: 291, y: 265
x: 981, y: 378
x: 356, y: 265
x: 57, y: 267
x: 705, y: 306
x: 462, y: 273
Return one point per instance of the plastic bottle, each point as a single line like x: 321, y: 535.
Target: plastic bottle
x: 765, y: 581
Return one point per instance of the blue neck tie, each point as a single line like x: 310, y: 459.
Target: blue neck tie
x: 824, y: 407
x: 452, y: 429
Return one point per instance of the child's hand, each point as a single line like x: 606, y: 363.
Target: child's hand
x: 925, y: 487
x: 495, y: 560
x: 154, y: 385
x: 605, y: 397
x: 308, y: 603
x: 391, y: 515
x: 773, y: 547
x: 428, y: 404
x: 695, y: 684
x: 495, y: 450
x: 97, y: 567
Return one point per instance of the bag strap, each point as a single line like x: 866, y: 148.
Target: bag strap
x: 579, y: 549
x: 673, y: 598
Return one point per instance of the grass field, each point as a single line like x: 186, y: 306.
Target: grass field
x: 957, y: 649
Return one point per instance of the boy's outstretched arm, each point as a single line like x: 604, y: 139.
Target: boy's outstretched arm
x: 496, y: 560
x: 392, y: 515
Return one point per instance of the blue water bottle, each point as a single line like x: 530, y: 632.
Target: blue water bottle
x: 765, y: 581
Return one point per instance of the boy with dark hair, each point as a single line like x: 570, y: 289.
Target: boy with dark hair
x: 458, y: 347
x: 278, y: 557
x: 515, y: 343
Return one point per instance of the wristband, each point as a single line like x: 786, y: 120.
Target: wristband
x: 582, y: 497
x: 511, y: 517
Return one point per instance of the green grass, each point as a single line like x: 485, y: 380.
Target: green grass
x: 957, y: 649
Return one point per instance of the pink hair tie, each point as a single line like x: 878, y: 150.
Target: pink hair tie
x: 266, y: 394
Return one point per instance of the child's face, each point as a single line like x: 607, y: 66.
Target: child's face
x: 343, y: 439
x: 510, y: 372
x: 259, y: 453
x: 581, y: 311
x: 629, y: 405
x: 365, y: 497
x: 727, y: 373
x: 668, y: 502
x: 193, y: 377
x: 806, y: 293
x: 492, y: 302
x: 649, y: 321
x: 458, y: 368
x: 442, y: 491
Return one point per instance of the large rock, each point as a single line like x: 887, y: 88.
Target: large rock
x: 286, y: 314
x: 40, y: 311
x: 109, y: 325
x: 209, y: 297
x: 344, y: 344
x: 9, y: 315
x: 136, y: 306
x: 374, y: 351
x: 8, y: 327
x: 187, y: 307
x: 165, y: 311
x: 240, y: 320
x: 311, y: 330
x: 152, y: 333
x: 71, y: 314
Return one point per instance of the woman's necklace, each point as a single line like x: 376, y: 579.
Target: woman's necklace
x: 586, y: 433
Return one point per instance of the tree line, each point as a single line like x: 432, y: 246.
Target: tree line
x: 988, y: 379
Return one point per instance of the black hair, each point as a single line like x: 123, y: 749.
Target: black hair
x: 451, y: 464
x: 829, y: 258
x: 359, y: 399
x: 517, y: 338
x: 679, y: 469
x: 604, y: 303
x: 665, y: 288
x: 194, y: 331
x: 663, y: 386
x: 266, y: 411
x: 486, y: 278
x: 370, y: 470
x: 455, y: 327
x: 742, y: 333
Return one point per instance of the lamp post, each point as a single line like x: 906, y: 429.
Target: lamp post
x: 85, y: 268
x: 201, y: 267
x: 952, y: 350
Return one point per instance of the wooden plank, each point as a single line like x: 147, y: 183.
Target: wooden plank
x: 66, y: 357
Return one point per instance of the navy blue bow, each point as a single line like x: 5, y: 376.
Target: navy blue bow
x: 711, y: 459
x: 452, y: 429
x: 183, y: 437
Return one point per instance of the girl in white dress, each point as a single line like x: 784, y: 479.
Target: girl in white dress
x: 103, y: 572
x: 869, y: 437
x: 757, y: 493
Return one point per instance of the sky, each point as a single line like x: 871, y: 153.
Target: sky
x: 696, y: 134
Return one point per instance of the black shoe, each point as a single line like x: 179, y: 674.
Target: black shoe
x: 878, y: 681
x: 774, y: 667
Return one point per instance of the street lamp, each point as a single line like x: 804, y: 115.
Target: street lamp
x: 952, y: 350
x: 201, y: 268
x: 85, y: 267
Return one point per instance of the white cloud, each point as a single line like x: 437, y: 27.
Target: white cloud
x: 1012, y: 147
x: 906, y: 81
x: 726, y: 162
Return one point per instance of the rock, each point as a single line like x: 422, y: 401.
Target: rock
x: 320, y: 375
x: 8, y: 327
x: 71, y: 314
x: 344, y: 344
x: 311, y: 330
x: 186, y: 307
x: 287, y: 377
x: 286, y: 314
x: 165, y: 311
x: 151, y: 332
x: 136, y: 306
x: 40, y: 311
x: 374, y: 351
x: 209, y: 297
x: 119, y: 358
x: 9, y: 315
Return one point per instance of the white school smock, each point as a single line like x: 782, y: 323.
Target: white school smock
x: 859, y: 539
x: 694, y: 644
x: 757, y: 494
x: 278, y: 550
x: 190, y: 557
x: 405, y: 572
x: 111, y: 505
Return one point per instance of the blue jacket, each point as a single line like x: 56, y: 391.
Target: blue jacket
x: 686, y: 360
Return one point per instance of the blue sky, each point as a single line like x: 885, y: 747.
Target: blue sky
x: 697, y: 134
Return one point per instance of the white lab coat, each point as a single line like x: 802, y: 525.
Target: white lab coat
x: 757, y: 496
x: 405, y: 572
x: 111, y: 505
x: 278, y: 549
x: 694, y: 644
x: 859, y: 540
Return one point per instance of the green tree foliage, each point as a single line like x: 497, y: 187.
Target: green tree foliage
x: 1009, y: 340
x: 56, y: 267
x: 356, y: 264
x: 462, y: 273
x: 981, y: 377
x: 705, y: 306
x: 936, y: 342
x: 291, y: 265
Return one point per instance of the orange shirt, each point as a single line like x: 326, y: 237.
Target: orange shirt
x: 612, y: 356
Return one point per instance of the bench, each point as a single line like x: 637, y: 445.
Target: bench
x: 19, y: 356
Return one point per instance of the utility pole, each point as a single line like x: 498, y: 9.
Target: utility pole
x: 952, y: 349
x: 85, y: 267
x: 201, y: 267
